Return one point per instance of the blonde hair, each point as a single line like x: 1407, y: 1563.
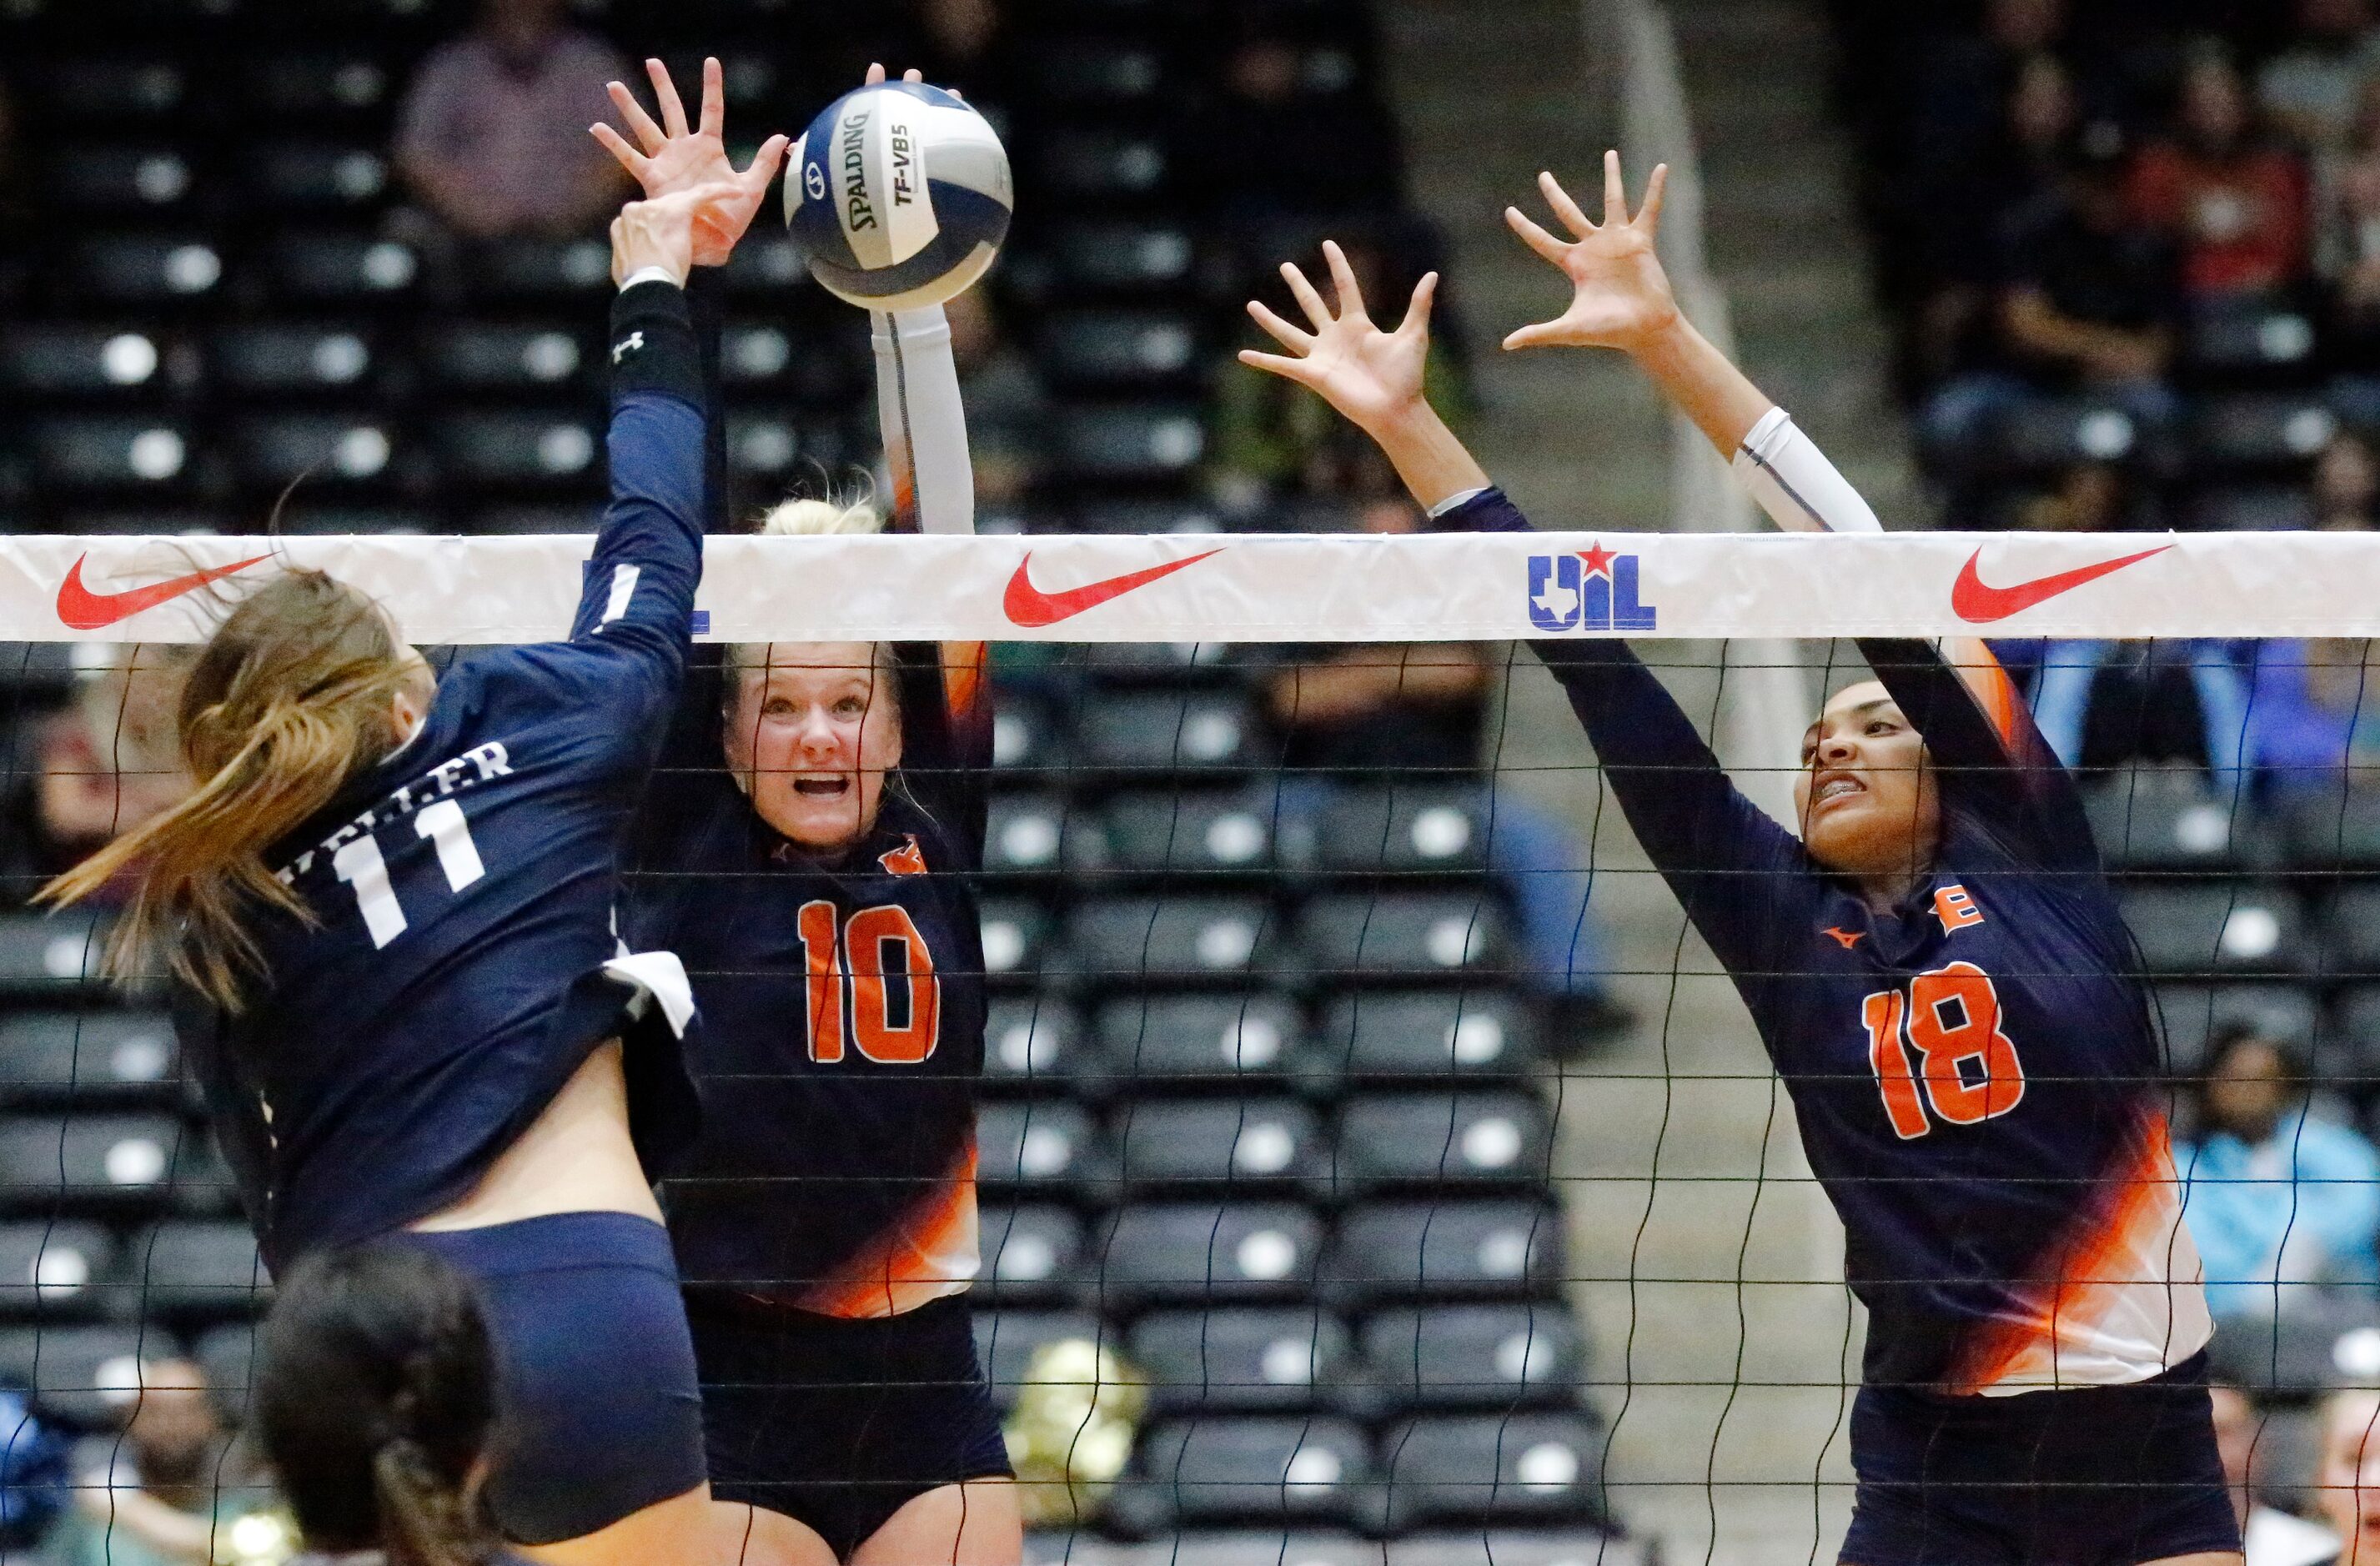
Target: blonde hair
x: 289, y: 699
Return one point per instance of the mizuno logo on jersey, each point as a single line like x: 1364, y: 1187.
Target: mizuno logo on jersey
x: 1846, y: 938
x: 906, y: 860
x: 1591, y: 590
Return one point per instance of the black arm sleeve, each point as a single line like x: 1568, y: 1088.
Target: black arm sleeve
x: 1990, y: 761
x: 1740, y: 875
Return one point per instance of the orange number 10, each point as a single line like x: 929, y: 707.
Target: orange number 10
x: 1967, y: 1067
x: 878, y: 956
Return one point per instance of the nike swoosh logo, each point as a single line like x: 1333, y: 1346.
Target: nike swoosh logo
x: 82, y: 610
x: 1978, y: 603
x: 1028, y: 606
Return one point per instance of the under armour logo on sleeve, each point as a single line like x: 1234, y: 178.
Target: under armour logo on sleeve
x: 632, y: 342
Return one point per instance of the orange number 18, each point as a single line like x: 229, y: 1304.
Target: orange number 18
x: 1967, y: 1070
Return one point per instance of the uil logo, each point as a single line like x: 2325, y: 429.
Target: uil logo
x: 1591, y: 590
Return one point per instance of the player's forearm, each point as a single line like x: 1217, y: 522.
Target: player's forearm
x: 1429, y: 457
x: 1704, y: 385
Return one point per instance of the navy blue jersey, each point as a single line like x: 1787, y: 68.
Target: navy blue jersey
x: 1976, y: 1073
x: 464, y: 893
x: 842, y: 1007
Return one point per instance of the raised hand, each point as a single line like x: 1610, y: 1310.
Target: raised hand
x: 677, y: 158
x: 1619, y: 296
x: 1372, y: 376
x: 662, y: 231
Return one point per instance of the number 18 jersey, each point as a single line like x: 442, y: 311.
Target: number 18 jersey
x: 1975, y: 1072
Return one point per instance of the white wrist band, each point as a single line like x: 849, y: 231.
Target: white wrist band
x: 649, y: 275
x: 1785, y: 471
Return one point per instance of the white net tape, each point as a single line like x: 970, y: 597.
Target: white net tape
x: 1264, y: 587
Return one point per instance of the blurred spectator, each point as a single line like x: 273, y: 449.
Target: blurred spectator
x: 2180, y: 701
x: 2316, y: 714
x: 1962, y: 80
x: 2347, y: 255
x: 2274, y: 1538
x: 2345, y: 484
x: 2348, y: 1481
x: 493, y: 137
x: 2274, y: 1195
x: 1270, y: 440
x: 1368, y: 715
x: 1961, y: 205
x: 112, y: 760
x: 161, y: 1502
x: 1007, y: 406
x: 36, y: 1475
x: 961, y: 38
x: 1328, y: 144
x: 2087, y: 300
x: 2309, y: 90
x: 2234, y: 205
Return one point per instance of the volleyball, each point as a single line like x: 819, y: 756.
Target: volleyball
x: 899, y: 196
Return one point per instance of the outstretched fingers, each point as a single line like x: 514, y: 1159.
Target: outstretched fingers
x: 632, y: 112
x: 714, y: 97
x: 1424, y: 296
x: 1280, y: 331
x: 764, y: 164
x: 875, y: 77
x: 1297, y: 369
x: 1343, y: 278
x: 1308, y: 298
x: 1574, y: 216
x: 1657, y: 189
x: 665, y: 94
x: 1536, y: 238
x: 613, y: 142
x: 1544, y: 334
x: 1615, y: 188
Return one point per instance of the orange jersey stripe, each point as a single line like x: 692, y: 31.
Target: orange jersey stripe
x: 932, y: 1251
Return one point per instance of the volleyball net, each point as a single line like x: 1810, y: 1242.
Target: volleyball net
x: 1366, y: 1150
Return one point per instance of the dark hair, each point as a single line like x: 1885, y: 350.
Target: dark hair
x: 2234, y: 1036
x: 288, y: 700
x: 375, y: 1398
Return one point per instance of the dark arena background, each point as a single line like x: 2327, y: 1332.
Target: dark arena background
x: 1376, y: 1169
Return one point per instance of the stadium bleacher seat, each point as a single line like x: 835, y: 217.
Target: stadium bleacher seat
x: 1420, y: 828
x: 206, y: 1270
x: 2194, y: 1013
x: 1045, y: 1149
x: 1031, y: 1042
x: 53, y: 1272
x: 1473, y: 1356
x: 89, y: 1058
x: 2261, y: 429
x: 2218, y: 928
x: 1152, y: 257
x: 2166, y: 819
x: 1451, y: 1250
x: 1207, y: 1254
x: 1519, y: 1467
x: 358, y: 268
x: 265, y: 361
x: 1135, y: 349
x: 1191, y: 833
x: 1177, y: 938
x: 1130, y: 443
x: 1392, y: 1037
x: 85, y: 1377
x: 119, y: 180
x: 1033, y: 1254
x: 1406, y: 933
x: 1439, y: 1141
x: 46, y: 363
x: 1019, y: 938
x: 75, y: 455
x: 1252, y: 1360
x: 1249, y: 1144
x: 1159, y: 1044
x: 297, y: 177
x: 50, y: 956
x: 1311, y: 1470
x: 1041, y: 835
x: 102, y: 1164
x: 533, y: 361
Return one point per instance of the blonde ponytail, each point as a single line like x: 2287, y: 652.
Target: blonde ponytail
x: 291, y: 698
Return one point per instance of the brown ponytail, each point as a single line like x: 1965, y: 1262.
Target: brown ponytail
x: 375, y: 1401
x: 425, y: 1520
x: 289, y: 699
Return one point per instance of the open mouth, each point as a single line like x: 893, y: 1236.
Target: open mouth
x: 823, y: 788
x: 1832, y: 786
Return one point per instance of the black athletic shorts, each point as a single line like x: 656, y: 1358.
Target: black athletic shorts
x: 840, y: 1423
x: 601, y: 1416
x: 2095, y: 1476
